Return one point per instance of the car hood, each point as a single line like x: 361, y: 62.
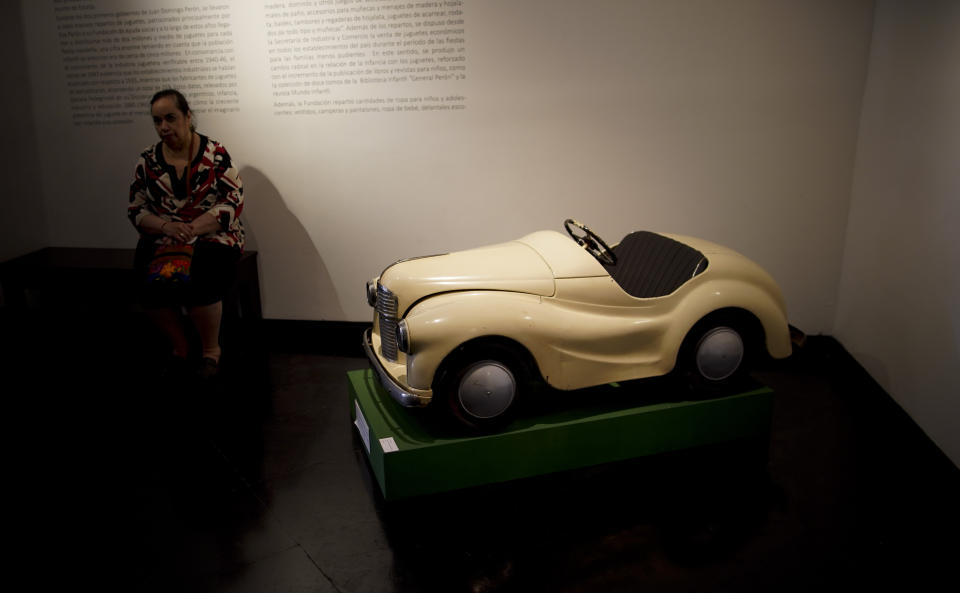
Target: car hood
x: 528, y: 265
x: 512, y: 266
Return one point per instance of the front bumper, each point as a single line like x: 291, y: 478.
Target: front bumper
x: 400, y: 393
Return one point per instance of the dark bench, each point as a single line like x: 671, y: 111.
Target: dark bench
x: 103, y: 278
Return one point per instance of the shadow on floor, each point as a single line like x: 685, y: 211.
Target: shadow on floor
x: 259, y: 484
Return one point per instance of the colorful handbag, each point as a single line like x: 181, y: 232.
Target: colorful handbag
x: 170, y: 263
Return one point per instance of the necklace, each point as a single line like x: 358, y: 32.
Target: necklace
x: 170, y: 156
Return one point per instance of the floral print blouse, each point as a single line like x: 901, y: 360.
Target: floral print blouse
x: 211, y: 185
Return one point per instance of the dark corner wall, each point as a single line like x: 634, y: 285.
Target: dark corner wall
x: 22, y: 218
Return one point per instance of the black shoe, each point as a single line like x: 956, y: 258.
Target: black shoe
x: 208, y: 369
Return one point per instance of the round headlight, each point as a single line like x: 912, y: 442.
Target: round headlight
x: 372, y: 292
x: 403, y: 337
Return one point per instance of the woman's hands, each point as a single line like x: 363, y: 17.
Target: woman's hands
x: 188, y: 231
x: 181, y: 231
x: 204, y: 224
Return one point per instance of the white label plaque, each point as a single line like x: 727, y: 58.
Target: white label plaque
x: 389, y: 445
x: 361, y: 424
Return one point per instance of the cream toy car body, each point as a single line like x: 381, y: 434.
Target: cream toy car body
x: 472, y: 327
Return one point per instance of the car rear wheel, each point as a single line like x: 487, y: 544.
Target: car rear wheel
x: 719, y: 353
x: 715, y: 355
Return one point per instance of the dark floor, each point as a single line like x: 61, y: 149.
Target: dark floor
x: 124, y: 483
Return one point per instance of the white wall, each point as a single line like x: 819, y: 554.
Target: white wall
x: 899, y: 304
x: 735, y: 121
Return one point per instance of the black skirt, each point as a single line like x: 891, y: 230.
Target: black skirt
x: 213, y: 272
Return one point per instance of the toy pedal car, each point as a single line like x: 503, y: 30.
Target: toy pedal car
x: 472, y: 328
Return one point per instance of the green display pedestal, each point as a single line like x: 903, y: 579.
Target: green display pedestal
x: 412, y: 457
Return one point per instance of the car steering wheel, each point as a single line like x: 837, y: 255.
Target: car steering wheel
x: 591, y: 242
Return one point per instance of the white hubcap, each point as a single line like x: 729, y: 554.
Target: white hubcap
x: 487, y: 389
x: 719, y: 353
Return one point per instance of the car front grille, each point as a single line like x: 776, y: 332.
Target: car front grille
x: 387, y: 316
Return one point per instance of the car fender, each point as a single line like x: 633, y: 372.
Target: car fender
x: 761, y: 299
x: 439, y: 324
x: 573, y: 344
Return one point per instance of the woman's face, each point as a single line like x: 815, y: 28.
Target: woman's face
x: 172, y: 126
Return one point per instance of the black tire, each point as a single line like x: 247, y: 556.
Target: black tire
x: 481, y: 386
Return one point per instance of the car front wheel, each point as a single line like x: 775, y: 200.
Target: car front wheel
x: 486, y: 390
x: 481, y: 389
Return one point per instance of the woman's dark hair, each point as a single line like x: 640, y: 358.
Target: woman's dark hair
x: 178, y: 98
